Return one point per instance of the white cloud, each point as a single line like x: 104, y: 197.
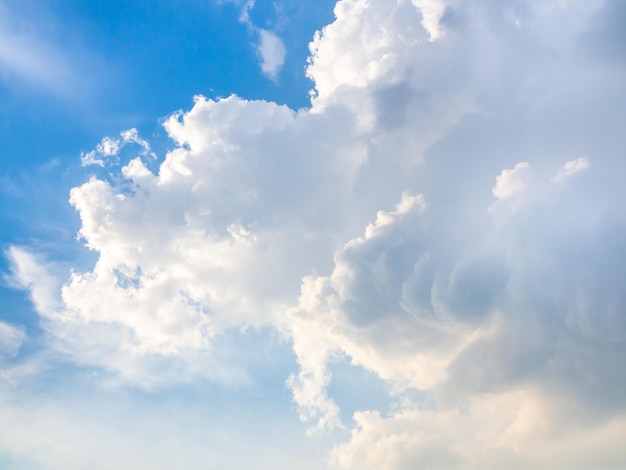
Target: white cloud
x: 510, y: 182
x: 269, y: 47
x: 33, y: 53
x: 572, y: 167
x: 516, y: 430
x: 247, y: 5
x: 472, y: 324
x: 514, y: 188
x: 29, y: 272
x: 432, y: 11
x: 359, y: 229
x: 108, y: 149
x: 272, y: 51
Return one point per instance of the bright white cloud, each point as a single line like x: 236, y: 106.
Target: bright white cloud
x: 272, y: 51
x: 510, y: 182
x: 364, y: 229
x: 513, y: 430
x: 108, y: 149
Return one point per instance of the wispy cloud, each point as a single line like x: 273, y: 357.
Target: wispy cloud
x: 108, y: 149
x: 31, y: 53
x: 572, y: 167
x: 269, y: 47
x: 41, y: 51
x: 11, y: 338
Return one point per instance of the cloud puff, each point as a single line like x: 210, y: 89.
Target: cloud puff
x: 504, y: 430
x: 270, y: 48
x: 109, y: 148
x: 510, y: 182
x: 272, y: 53
x: 376, y: 228
x: 571, y: 167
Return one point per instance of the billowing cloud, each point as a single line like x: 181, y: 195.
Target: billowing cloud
x: 406, y: 223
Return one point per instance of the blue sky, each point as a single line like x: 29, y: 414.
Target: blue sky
x: 279, y: 234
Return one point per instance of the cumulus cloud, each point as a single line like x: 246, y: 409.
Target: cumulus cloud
x: 510, y: 182
x: 34, y: 54
x: 364, y: 229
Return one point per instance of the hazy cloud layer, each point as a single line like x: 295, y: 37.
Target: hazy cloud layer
x: 35, y: 55
x: 447, y: 214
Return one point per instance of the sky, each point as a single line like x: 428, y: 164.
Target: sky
x: 264, y: 234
